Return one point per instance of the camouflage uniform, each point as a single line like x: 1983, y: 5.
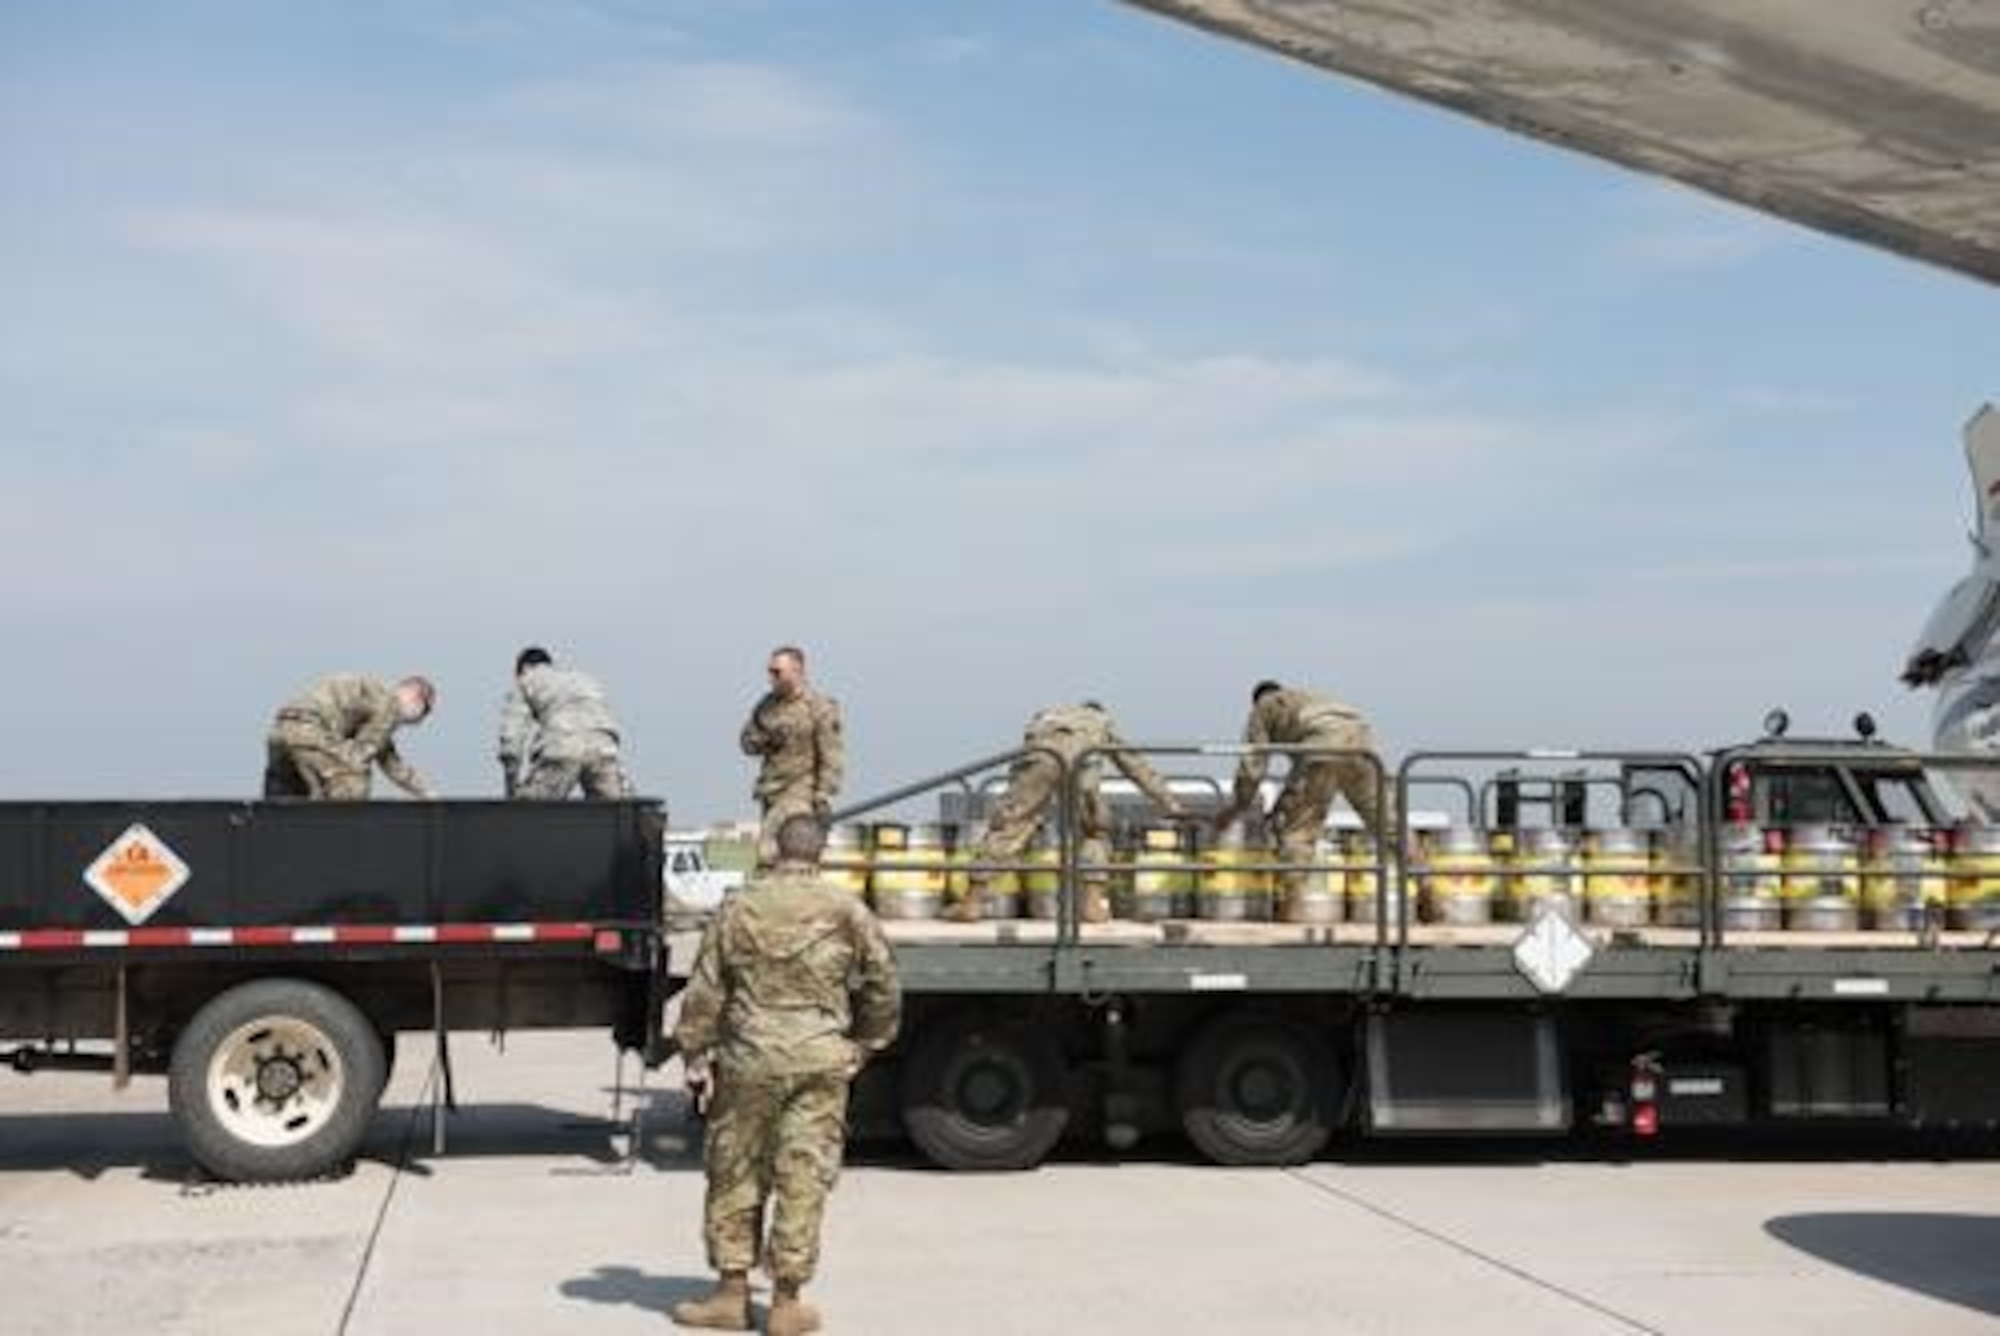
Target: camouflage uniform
x: 558, y: 722
x: 1298, y: 718
x: 803, y: 760
x: 325, y: 742
x: 1034, y: 781
x: 794, y: 988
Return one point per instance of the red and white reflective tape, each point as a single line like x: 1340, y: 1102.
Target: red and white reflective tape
x: 345, y: 934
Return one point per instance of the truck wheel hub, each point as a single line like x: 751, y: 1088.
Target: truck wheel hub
x: 278, y: 1078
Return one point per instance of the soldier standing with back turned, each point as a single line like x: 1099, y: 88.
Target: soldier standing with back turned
x: 796, y: 733
x: 793, y: 990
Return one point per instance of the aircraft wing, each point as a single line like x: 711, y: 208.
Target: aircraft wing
x: 1873, y: 120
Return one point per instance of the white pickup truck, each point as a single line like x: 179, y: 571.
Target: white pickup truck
x: 693, y: 887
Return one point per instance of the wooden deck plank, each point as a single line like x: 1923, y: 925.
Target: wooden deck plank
x: 1848, y: 941
x: 1013, y: 932
x: 1206, y: 932
x: 1197, y: 932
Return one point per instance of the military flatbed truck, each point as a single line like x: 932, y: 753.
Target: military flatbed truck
x: 265, y: 955
x: 1850, y: 980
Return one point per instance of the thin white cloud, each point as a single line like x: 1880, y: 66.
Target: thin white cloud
x: 546, y: 27
x: 431, y: 300
x: 1797, y: 573
x: 720, y: 104
x: 952, y: 50
x: 1795, y: 401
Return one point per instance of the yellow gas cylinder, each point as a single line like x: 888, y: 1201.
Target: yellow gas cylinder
x: 909, y: 869
x: 958, y: 853
x: 1617, y: 888
x: 1752, y: 878
x: 1545, y: 868
x: 959, y: 843
x: 1042, y: 882
x: 1155, y: 888
x: 1230, y: 890
x: 845, y: 861
x: 1321, y: 895
x: 1974, y: 890
x: 1364, y: 879
x: 1458, y: 878
x: 1676, y: 877
x: 1903, y: 882
x: 1822, y: 886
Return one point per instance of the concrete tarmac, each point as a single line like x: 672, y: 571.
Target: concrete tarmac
x: 535, y: 1220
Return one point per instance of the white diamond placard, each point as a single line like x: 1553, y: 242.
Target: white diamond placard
x: 1553, y: 950
x: 136, y: 874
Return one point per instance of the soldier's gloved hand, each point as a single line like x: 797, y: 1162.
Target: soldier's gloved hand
x: 823, y: 810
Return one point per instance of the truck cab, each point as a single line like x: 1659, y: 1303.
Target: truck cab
x: 1843, y: 788
x: 1779, y: 780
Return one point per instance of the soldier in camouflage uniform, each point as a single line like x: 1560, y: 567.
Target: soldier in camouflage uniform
x: 796, y: 733
x: 326, y: 742
x: 558, y: 723
x: 1283, y: 716
x: 1055, y: 738
x: 793, y: 990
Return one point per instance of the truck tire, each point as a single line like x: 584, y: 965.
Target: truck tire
x: 1257, y: 1090
x: 275, y: 1080
x: 985, y: 1095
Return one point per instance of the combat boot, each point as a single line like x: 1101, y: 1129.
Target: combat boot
x: 968, y: 908
x: 791, y: 1315
x: 724, y: 1308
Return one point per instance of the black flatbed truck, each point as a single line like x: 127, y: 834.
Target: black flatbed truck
x: 265, y: 955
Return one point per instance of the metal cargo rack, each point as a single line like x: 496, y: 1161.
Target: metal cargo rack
x: 1399, y: 956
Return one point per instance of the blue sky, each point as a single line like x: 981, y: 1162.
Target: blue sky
x: 1002, y: 353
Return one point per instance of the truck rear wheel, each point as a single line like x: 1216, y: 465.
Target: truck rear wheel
x: 276, y: 1080
x: 1258, y: 1090
x: 985, y: 1094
